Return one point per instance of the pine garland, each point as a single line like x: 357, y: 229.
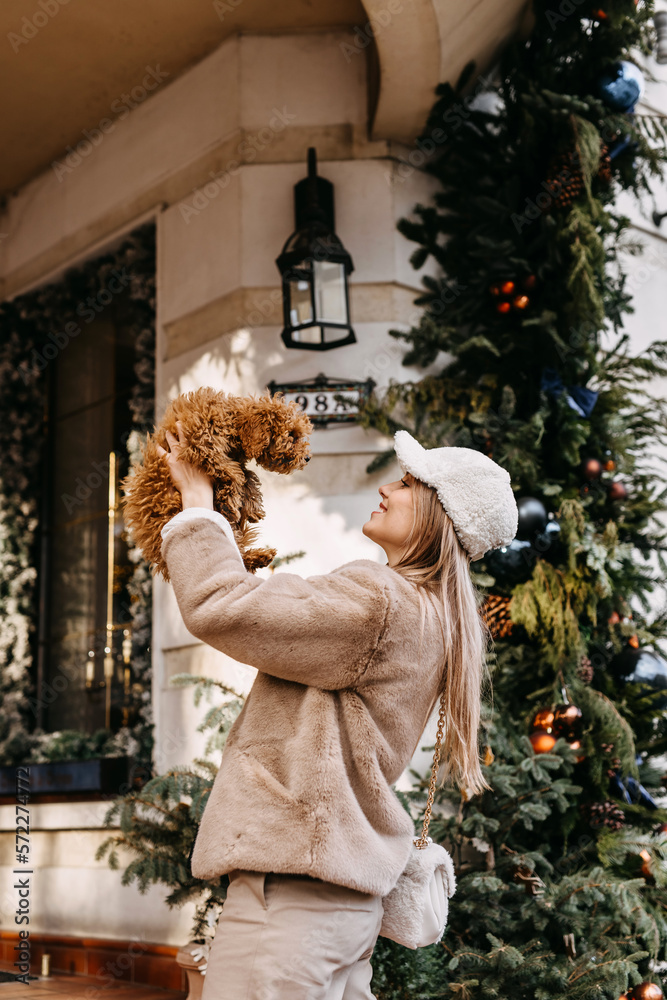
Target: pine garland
x: 25, y: 324
x: 158, y: 825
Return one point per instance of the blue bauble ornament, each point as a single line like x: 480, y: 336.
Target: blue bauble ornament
x: 621, y: 86
x: 548, y: 542
x: 512, y: 563
x: 617, y: 786
x: 630, y: 790
x: 532, y: 517
x: 620, y: 146
x: 638, y: 793
x: 642, y: 666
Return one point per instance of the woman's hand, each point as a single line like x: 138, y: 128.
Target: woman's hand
x: 193, y: 484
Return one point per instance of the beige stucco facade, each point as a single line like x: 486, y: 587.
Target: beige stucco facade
x: 212, y: 154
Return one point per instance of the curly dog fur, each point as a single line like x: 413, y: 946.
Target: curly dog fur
x: 223, y: 432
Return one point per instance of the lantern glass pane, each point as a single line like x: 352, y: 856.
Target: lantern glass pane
x: 329, y: 279
x: 301, y: 310
x: 309, y: 335
x: 331, y: 334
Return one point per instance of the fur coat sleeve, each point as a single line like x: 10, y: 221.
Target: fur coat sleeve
x: 321, y: 631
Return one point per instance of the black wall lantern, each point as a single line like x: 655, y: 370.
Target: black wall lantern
x: 314, y: 266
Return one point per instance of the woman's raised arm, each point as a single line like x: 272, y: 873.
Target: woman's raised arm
x: 319, y: 630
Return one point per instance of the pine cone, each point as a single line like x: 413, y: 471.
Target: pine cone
x: 585, y: 670
x: 565, y: 179
x: 603, y: 814
x: 497, y: 617
x: 604, y: 170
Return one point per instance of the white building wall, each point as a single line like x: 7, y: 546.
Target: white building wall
x: 213, y: 157
x: 647, y: 276
x: 72, y: 893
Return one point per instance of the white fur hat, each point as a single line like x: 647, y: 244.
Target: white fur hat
x: 474, y: 490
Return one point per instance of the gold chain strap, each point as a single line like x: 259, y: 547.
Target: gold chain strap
x: 423, y: 842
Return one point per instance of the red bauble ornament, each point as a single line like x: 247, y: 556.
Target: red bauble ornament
x: 617, y: 491
x: 543, y: 719
x: 495, y: 289
x: 542, y: 741
x: 507, y: 287
x: 503, y: 307
x: 567, y: 720
x: 599, y: 15
x: 645, y: 991
x: 614, y: 618
x: 646, y: 864
x: 591, y: 468
x: 529, y: 282
x: 609, y: 465
x: 521, y: 301
x: 634, y: 641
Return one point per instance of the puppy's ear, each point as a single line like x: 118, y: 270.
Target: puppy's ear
x: 254, y: 424
x: 229, y: 490
x: 149, y: 500
x: 252, y: 506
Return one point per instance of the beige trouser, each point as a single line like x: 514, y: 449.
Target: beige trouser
x: 287, y: 936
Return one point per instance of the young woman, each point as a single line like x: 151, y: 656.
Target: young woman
x: 302, y: 816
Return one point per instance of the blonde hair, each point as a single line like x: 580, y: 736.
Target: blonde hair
x: 434, y: 559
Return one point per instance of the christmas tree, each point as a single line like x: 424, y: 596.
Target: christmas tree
x: 158, y: 824
x: 561, y: 875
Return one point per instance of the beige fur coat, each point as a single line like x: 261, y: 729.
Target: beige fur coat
x: 335, y: 713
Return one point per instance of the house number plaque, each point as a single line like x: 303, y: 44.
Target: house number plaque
x: 326, y: 400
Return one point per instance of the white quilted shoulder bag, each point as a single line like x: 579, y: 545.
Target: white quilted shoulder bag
x: 416, y: 909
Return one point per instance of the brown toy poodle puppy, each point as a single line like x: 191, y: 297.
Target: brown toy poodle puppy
x: 223, y: 432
